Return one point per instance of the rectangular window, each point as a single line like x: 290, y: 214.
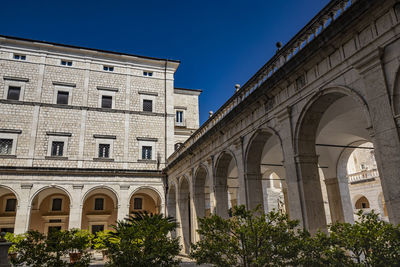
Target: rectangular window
x: 57, y: 203
x: 20, y: 57
x: 179, y: 117
x: 147, y: 73
x: 97, y: 228
x: 106, y: 101
x: 148, y: 105
x: 13, y: 92
x: 146, y: 152
x: 108, y: 68
x: 57, y: 148
x: 7, y: 230
x: 11, y: 204
x: 104, y: 150
x: 62, y: 97
x: 137, y: 203
x: 66, y: 63
x: 99, y: 204
x: 6, y: 146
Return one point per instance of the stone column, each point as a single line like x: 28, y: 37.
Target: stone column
x: 75, y: 211
x: 221, y: 197
x: 123, y: 207
x: 384, y: 131
x: 293, y: 198
x: 238, y: 152
x: 339, y: 200
x: 23, y: 210
x: 254, y: 190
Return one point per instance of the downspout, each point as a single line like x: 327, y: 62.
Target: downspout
x: 165, y: 136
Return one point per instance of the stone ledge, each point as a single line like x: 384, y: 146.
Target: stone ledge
x: 56, y: 158
x: 103, y: 159
x: 8, y: 156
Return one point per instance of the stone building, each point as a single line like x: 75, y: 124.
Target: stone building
x: 85, y: 134
x: 290, y: 131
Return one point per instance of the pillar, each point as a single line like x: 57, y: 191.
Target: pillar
x: 75, y: 211
x: 23, y: 210
x: 384, y: 130
x: 339, y: 200
x: 123, y: 206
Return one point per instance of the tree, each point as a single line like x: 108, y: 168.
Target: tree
x: 249, y: 238
x: 142, y: 240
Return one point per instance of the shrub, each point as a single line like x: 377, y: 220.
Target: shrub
x: 142, y: 240
x: 99, y: 241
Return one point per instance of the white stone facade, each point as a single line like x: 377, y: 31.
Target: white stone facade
x: 83, y: 125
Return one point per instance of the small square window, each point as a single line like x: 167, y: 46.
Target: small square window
x: 147, y: 73
x: 137, y: 203
x: 99, y: 204
x: 146, y: 152
x: 106, y: 101
x: 108, y: 68
x: 11, y: 204
x: 62, y: 97
x: 104, y: 150
x: 14, y: 92
x: 66, y: 63
x: 57, y: 148
x: 148, y: 105
x: 19, y: 57
x: 56, y: 205
x: 6, y: 146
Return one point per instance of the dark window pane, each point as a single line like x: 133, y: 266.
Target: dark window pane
x: 13, y: 92
x: 179, y: 117
x: 111, y: 68
x: 146, y: 152
x: 57, y: 148
x: 11, y: 204
x: 63, y: 62
x: 105, y: 68
x: 137, y: 203
x: 69, y: 63
x: 23, y: 57
x: 150, y: 74
x: 148, y: 105
x: 62, y: 97
x: 106, y: 101
x: 57, y: 202
x: 99, y: 204
x: 97, y: 228
x: 104, y: 150
x: 5, y: 146
x: 7, y: 230
x: 16, y: 56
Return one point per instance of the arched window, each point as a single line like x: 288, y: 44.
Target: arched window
x: 362, y: 203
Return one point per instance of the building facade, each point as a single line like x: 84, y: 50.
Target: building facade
x: 85, y: 134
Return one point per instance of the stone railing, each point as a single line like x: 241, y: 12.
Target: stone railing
x: 363, y: 176
x: 317, y: 25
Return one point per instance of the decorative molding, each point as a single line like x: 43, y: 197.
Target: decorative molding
x: 56, y: 158
x: 102, y: 136
x: 64, y: 84
x: 124, y: 186
x: 10, y: 131
x: 59, y: 134
x: 17, y: 79
x: 77, y: 186
x: 147, y: 139
x: 180, y: 107
x: 103, y: 159
x: 147, y: 93
x: 107, y: 88
x: 26, y: 186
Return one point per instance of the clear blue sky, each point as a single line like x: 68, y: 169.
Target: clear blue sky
x: 219, y: 43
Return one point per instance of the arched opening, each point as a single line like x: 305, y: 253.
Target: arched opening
x: 362, y: 203
x: 227, y: 184
x: 202, y: 193
x: 8, y: 206
x: 50, y: 211
x: 145, y: 200
x: 171, y: 205
x: 99, y: 211
x: 185, y: 214
x: 265, y: 174
x: 332, y: 122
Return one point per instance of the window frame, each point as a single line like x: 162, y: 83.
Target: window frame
x: 14, y: 137
x: 141, y: 204
x: 5, y: 206
x: 151, y: 144
x: 52, y: 202
x: 143, y: 151
x: 20, y: 56
x: 143, y: 105
x: 182, y: 123
x: 106, y: 93
x: 68, y: 63
x: 144, y: 96
x: 104, y: 141
x: 94, y: 203
x: 108, y: 68
x: 56, y: 138
x: 104, y: 156
x: 13, y: 83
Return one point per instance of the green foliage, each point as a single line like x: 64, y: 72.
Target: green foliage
x: 38, y: 250
x: 142, y: 240
x: 15, y: 239
x: 253, y: 238
x: 99, y: 241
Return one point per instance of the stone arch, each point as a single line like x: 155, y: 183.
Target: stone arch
x: 151, y: 200
x: 313, y: 119
x: 185, y: 212
x: 362, y: 203
x: 9, y: 201
x: 49, y: 209
x: 254, y: 153
x: 225, y: 187
x: 99, y: 208
x: 202, y: 191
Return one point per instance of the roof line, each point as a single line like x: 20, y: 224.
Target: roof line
x: 87, y: 48
x: 188, y: 89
